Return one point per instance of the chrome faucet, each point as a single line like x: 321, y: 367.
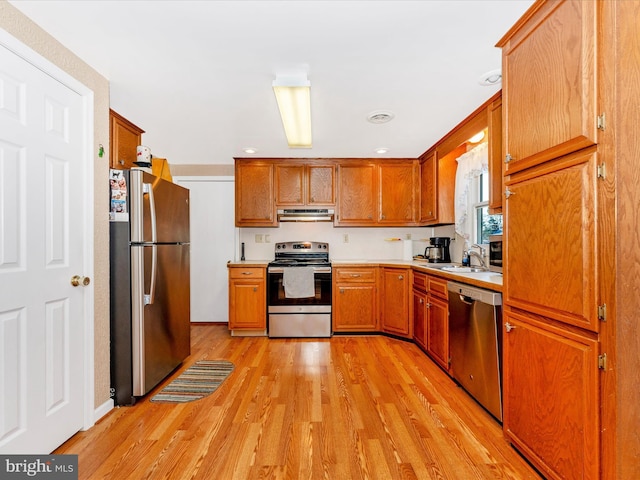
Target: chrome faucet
x: 479, y: 256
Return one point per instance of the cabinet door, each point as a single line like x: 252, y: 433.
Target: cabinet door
x: 397, y: 193
x: 550, y: 240
x: 438, y: 331
x: 290, y: 185
x: 395, y: 301
x: 125, y: 138
x: 494, y: 114
x: 247, y: 305
x: 354, y: 307
x: 420, y: 318
x: 428, y: 190
x: 549, y: 86
x: 321, y: 185
x: 357, y: 194
x: 551, y: 398
x: 255, y: 202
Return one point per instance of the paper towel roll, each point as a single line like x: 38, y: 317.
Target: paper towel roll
x: 407, y: 250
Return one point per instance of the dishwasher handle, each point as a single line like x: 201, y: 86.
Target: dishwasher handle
x: 467, y: 300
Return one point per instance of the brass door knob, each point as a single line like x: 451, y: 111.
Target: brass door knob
x: 78, y: 281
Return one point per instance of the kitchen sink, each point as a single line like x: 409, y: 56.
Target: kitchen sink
x: 457, y: 269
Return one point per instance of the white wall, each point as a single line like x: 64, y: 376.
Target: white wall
x: 213, y: 243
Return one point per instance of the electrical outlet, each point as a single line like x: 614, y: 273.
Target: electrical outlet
x: 345, y: 238
x: 259, y: 238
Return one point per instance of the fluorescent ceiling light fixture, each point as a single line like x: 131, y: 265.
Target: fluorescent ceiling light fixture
x: 293, y: 94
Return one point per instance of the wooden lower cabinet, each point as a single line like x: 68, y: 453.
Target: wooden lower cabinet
x: 551, y: 409
x: 438, y: 331
x: 431, y: 317
x: 419, y: 298
x: 394, y: 304
x: 355, y: 299
x: 247, y: 298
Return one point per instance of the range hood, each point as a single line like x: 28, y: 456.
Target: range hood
x: 306, y: 215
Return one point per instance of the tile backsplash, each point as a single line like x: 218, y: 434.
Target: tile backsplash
x: 346, y: 243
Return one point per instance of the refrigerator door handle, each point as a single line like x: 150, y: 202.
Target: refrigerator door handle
x: 150, y: 298
x: 148, y: 189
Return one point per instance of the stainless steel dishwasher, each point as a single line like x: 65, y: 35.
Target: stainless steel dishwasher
x: 475, y: 343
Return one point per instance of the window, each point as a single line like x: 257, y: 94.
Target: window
x: 484, y: 224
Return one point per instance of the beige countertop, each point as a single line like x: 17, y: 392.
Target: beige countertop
x: 489, y: 280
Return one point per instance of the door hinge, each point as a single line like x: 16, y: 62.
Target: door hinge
x: 600, y: 122
x: 602, y: 361
x: 602, y: 312
x: 602, y: 171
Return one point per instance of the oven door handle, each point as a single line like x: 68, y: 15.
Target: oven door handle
x: 315, y: 269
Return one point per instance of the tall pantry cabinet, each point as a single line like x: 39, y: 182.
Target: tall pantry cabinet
x: 569, y: 355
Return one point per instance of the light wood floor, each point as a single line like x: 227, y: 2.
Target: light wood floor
x: 362, y: 407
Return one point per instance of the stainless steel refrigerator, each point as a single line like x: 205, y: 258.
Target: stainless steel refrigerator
x: 150, y: 290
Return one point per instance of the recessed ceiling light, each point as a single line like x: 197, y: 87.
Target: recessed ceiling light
x: 380, y: 116
x: 250, y: 150
x: 494, y: 77
x: 381, y: 150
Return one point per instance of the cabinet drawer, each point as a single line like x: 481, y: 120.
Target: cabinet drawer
x: 239, y: 272
x: 437, y: 286
x: 355, y: 275
x: 420, y: 281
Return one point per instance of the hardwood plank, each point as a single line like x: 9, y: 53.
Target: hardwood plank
x: 361, y: 407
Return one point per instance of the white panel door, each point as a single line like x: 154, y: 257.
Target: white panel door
x: 41, y: 248
x: 213, y: 244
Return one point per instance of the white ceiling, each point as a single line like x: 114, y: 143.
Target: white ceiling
x: 196, y: 75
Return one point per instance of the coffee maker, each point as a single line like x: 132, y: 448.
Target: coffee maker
x: 438, y: 250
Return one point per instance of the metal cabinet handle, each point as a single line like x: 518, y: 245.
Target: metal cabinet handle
x: 255, y: 289
x: 400, y: 277
x: 508, y: 158
x: 355, y: 275
x: 342, y: 290
x: 508, y: 327
x: 247, y: 273
x: 421, y: 300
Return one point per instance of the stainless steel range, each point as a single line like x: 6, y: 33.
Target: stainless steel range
x: 299, y: 290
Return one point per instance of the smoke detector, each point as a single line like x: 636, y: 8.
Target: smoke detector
x: 380, y: 116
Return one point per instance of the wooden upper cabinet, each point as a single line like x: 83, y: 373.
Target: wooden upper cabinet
x: 255, y: 199
x: 549, y: 83
x: 124, y: 140
x: 429, y: 188
x: 357, y: 193
x: 398, y: 191
x: 305, y: 185
x: 496, y: 159
x: 551, y: 240
x: 321, y: 188
x: 290, y: 185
